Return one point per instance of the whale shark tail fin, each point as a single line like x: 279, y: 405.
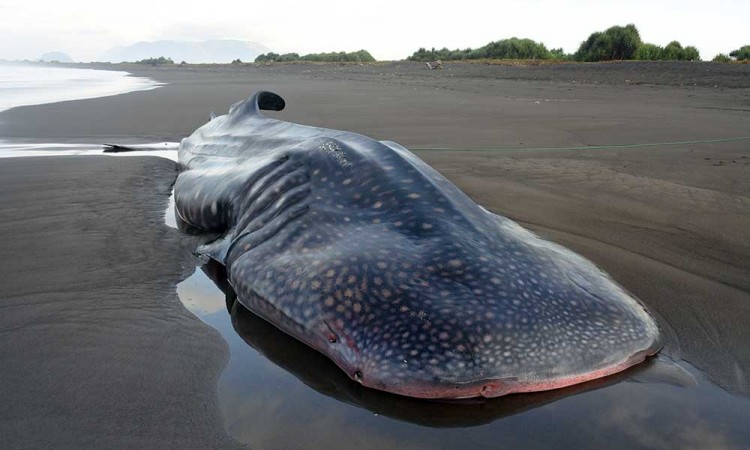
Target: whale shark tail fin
x: 158, y: 146
x: 116, y: 148
x: 260, y: 101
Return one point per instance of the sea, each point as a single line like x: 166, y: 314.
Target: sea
x: 34, y: 84
x: 22, y: 85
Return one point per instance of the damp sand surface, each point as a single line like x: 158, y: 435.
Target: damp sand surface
x: 669, y: 222
x: 97, y: 351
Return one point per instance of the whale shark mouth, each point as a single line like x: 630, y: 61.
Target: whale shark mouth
x: 491, y: 388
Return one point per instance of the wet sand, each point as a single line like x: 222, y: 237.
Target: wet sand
x: 97, y: 351
x: 669, y: 222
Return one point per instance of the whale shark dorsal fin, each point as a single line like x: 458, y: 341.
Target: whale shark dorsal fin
x: 261, y: 100
x: 269, y: 101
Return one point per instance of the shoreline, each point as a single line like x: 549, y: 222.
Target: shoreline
x: 731, y: 75
x: 30, y: 85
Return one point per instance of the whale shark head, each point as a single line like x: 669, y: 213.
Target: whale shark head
x: 472, y: 322
x: 461, y: 318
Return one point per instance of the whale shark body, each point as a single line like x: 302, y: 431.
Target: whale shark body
x: 362, y: 251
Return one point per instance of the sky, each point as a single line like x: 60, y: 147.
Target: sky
x: 389, y: 29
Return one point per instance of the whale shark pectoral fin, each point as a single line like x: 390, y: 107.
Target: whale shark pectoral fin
x: 216, y: 250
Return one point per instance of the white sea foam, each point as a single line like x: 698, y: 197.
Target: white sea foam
x: 23, y: 85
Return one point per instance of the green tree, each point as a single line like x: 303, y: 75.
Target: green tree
x: 615, y: 43
x: 513, y: 48
x: 741, y: 54
x: 358, y: 56
x: 649, y: 52
x: 691, y: 54
x: 287, y: 57
x: 559, y: 53
x: 673, y: 52
x: 156, y: 61
x: 267, y: 57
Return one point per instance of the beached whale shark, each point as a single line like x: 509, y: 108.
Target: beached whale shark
x: 362, y: 251
x: 317, y: 372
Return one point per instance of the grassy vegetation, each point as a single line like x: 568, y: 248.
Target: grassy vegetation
x: 360, y: 56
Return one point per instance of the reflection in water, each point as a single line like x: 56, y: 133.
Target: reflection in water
x: 170, y: 214
x: 278, y: 393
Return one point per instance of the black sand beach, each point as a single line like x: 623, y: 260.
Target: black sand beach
x: 98, y: 350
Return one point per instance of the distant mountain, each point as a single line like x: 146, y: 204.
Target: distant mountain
x: 56, y: 57
x: 214, y: 51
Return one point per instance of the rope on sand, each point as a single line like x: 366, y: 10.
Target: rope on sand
x: 584, y: 147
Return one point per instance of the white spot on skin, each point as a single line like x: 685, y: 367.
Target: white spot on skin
x: 214, y: 208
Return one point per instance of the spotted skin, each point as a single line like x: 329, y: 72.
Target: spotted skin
x: 364, y: 252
